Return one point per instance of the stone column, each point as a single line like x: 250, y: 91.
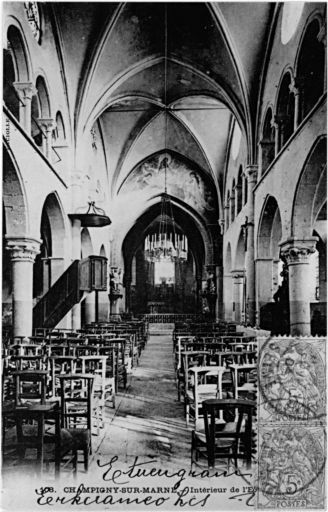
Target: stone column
x: 238, y: 283
x: 251, y: 173
x: 228, y: 296
x: 297, y: 253
x: 279, y: 124
x: 26, y: 91
x: 296, y: 87
x: 226, y: 214
x: 89, y: 308
x: 22, y: 252
x: 76, y: 255
x: 47, y: 126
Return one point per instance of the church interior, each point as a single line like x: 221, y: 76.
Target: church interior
x: 164, y: 206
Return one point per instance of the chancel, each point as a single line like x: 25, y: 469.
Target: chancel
x: 164, y: 210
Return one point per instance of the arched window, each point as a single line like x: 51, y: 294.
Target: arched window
x: 239, y: 190
x: 43, y: 97
x: 233, y: 201
x: 40, y: 109
x: 15, y: 69
x: 267, y: 142
x: 245, y: 190
x: 311, y: 68
x: 285, y: 111
x: 228, y: 210
x: 10, y: 95
x: 59, y: 135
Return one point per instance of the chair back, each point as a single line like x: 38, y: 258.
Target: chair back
x: 238, y: 413
x: 76, y: 400
x: 30, y: 386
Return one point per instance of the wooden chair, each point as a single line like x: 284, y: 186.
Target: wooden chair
x: 227, y: 432
x: 244, y: 377
x: 31, y: 412
x: 60, y: 365
x: 76, y: 417
x: 189, y: 358
x: 111, y: 372
x: 207, y: 383
x: 96, y: 365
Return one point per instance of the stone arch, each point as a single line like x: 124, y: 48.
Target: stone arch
x: 309, y: 195
x: 14, y: 197
x: 43, y: 97
x: 269, y: 266
x: 59, y: 133
x: 267, y: 141
x: 199, y: 242
x: 285, y: 109
x: 49, y: 263
x: 310, y: 66
x: 16, y: 46
x: 239, y: 261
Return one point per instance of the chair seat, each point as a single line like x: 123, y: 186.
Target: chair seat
x: 220, y: 443
x: 79, y: 437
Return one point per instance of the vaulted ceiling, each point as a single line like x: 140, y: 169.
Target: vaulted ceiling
x: 159, y: 76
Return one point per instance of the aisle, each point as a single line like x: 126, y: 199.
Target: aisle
x: 149, y: 421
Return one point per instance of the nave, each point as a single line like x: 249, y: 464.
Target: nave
x: 145, y: 430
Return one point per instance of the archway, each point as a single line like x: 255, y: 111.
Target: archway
x: 178, y: 288
x: 285, y: 111
x: 267, y: 142
x: 271, y: 277
x: 239, y: 281
x: 309, y: 218
x: 311, y: 68
x: 49, y: 263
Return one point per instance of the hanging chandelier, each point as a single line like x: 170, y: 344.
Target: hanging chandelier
x: 166, y: 244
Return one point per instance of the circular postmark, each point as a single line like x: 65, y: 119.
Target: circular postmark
x: 291, y: 380
x: 291, y: 463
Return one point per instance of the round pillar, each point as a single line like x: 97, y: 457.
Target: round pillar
x: 22, y: 253
x: 251, y: 173
x: 296, y: 253
x: 238, y: 296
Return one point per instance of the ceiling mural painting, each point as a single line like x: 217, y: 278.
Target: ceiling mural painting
x: 183, y: 181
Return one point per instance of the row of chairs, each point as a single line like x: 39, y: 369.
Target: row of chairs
x: 216, y: 379
x: 58, y: 383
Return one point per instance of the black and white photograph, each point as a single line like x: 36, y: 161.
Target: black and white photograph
x: 164, y: 256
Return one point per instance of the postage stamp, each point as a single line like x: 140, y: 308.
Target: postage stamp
x: 291, y: 469
x: 291, y: 379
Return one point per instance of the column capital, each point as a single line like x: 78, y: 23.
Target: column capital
x: 47, y: 123
x: 297, y: 250
x: 279, y: 119
x: 221, y: 224
x: 25, y: 89
x: 296, y: 85
x: 251, y: 172
x: 238, y: 274
x: 23, y: 249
